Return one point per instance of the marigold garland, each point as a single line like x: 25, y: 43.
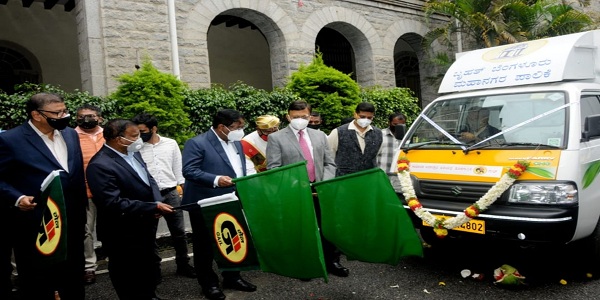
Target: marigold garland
x: 440, y: 227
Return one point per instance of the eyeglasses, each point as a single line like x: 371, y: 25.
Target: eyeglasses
x: 306, y: 117
x: 58, y: 114
x: 230, y: 127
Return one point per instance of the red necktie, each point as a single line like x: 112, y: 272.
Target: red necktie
x: 310, y: 163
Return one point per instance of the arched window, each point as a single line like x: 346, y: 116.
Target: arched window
x: 15, y: 68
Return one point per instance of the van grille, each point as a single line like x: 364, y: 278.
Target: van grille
x: 451, y: 190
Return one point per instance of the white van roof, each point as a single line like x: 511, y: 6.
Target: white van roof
x: 567, y: 57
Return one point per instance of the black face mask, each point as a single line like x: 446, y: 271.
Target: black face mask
x: 393, y: 128
x: 314, y: 126
x: 146, y: 136
x: 59, y: 124
x: 87, y: 123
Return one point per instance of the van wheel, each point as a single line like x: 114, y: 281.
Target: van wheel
x: 590, y: 246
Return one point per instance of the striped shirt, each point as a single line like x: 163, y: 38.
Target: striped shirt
x: 390, y: 145
x: 163, y: 161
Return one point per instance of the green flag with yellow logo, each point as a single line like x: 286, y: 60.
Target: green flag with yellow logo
x: 362, y: 215
x: 51, y: 238
x: 233, y: 247
x: 279, y: 207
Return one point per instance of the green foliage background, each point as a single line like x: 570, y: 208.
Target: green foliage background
x: 330, y: 92
x: 183, y: 112
x: 159, y: 94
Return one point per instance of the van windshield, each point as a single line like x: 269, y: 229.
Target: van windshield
x: 528, y: 120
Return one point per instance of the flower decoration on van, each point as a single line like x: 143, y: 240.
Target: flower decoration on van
x: 440, y: 227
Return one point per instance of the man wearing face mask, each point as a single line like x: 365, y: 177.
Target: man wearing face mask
x: 28, y: 153
x: 389, y: 147
x: 355, y: 145
x: 91, y: 140
x: 210, y: 161
x: 315, y: 121
x: 129, y: 205
x: 163, y: 159
x: 296, y: 143
x: 255, y: 143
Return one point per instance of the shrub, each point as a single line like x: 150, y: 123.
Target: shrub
x: 251, y: 102
x: 12, y: 107
x: 388, y: 101
x: 150, y: 91
x: 330, y: 92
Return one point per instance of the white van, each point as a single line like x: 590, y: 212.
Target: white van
x: 536, y: 102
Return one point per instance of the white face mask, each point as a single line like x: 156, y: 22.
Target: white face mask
x: 298, y: 123
x: 135, y: 146
x: 235, y: 135
x: 364, y: 123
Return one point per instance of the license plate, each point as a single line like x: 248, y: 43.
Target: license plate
x: 473, y: 226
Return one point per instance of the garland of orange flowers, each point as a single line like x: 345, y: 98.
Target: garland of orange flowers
x: 440, y: 227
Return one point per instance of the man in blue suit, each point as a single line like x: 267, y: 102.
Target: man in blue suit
x: 210, y: 161
x: 28, y: 153
x: 128, y: 207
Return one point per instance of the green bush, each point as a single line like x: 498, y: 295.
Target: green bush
x: 388, y: 101
x: 330, y: 92
x: 203, y: 104
x: 12, y: 107
x: 150, y: 91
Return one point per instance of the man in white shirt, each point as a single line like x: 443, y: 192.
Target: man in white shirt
x: 163, y: 159
x: 355, y: 145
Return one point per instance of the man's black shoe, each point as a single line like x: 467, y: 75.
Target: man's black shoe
x: 239, y: 284
x: 337, y: 269
x: 213, y: 293
x: 186, y: 270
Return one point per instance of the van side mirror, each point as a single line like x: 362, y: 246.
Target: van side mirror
x: 591, y: 128
x: 399, y: 131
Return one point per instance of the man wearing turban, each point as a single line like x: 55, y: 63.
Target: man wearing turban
x: 255, y: 143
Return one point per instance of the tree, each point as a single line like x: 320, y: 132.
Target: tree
x: 489, y: 23
x: 159, y: 94
x: 330, y: 92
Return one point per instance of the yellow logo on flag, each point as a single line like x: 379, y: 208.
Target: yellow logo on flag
x: 230, y: 238
x: 50, y: 229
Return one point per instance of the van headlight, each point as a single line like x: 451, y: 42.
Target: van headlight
x: 543, y: 193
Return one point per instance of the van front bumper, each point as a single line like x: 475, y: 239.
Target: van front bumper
x: 524, y: 224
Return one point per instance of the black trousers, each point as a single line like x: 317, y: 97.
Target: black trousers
x: 330, y: 251
x: 134, y: 263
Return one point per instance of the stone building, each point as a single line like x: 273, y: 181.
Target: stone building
x: 86, y: 45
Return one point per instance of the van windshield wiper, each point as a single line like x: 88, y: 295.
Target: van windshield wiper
x: 539, y: 145
x: 522, y: 144
x: 406, y: 149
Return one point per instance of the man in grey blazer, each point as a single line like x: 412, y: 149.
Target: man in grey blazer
x: 296, y: 143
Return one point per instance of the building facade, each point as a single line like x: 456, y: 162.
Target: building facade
x: 86, y: 45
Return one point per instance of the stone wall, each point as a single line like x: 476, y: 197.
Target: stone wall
x: 131, y: 30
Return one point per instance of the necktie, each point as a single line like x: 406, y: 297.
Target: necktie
x: 310, y: 164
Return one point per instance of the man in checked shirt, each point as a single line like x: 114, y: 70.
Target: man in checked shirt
x: 163, y: 159
x: 387, y: 154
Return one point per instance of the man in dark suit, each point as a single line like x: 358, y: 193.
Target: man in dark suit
x: 210, y: 161
x: 28, y: 153
x: 297, y: 143
x: 128, y: 207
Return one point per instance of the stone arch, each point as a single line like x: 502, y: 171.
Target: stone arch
x: 21, y: 66
x: 363, y: 37
x: 411, y: 32
x: 277, y: 27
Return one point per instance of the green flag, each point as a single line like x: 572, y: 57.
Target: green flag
x: 280, y: 210
x: 233, y: 246
x: 51, y: 239
x: 362, y: 215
